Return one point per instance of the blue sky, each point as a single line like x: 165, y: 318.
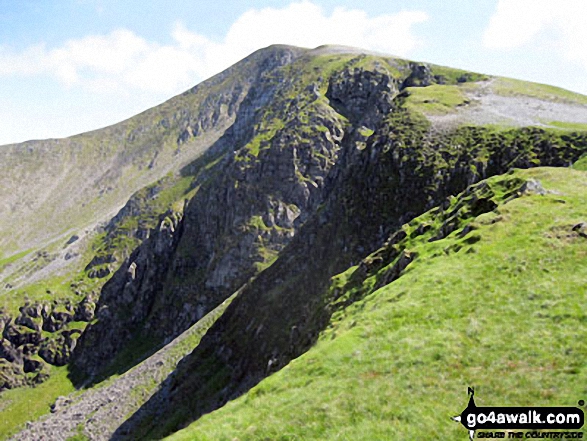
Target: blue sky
x: 70, y: 66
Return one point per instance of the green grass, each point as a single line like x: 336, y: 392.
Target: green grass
x: 454, y: 76
x: 5, y: 261
x: 574, y: 127
x: 435, y: 99
x: 366, y: 132
x: 581, y: 164
x: 17, y: 406
x: 505, y: 314
x: 53, y: 288
x: 512, y: 87
x: 257, y: 223
x: 265, y: 135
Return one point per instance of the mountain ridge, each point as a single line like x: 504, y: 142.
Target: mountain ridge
x: 324, y: 155
x: 118, y: 139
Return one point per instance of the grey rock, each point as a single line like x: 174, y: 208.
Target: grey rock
x: 27, y: 321
x: 32, y: 366
x: 533, y: 186
x: 84, y: 311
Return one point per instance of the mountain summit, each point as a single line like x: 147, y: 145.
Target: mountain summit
x: 311, y: 205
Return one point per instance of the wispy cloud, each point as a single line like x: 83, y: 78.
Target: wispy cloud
x: 557, y: 24
x: 124, y: 61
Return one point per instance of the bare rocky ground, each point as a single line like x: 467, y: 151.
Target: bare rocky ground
x: 64, y: 253
x: 488, y: 107
x: 99, y: 411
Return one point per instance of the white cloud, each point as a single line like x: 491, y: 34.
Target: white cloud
x: 546, y: 23
x: 305, y: 24
x: 123, y: 61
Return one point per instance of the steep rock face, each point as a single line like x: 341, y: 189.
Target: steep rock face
x: 358, y: 92
x: 241, y: 221
x: 127, y: 298
x: 399, y: 173
x: 252, y: 200
x: 220, y: 214
x: 314, y: 174
x: 68, y: 181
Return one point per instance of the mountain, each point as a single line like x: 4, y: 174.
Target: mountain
x: 333, y: 207
x: 497, y: 304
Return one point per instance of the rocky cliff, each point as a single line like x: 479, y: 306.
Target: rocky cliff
x: 320, y: 158
x: 376, y: 185
x: 316, y: 189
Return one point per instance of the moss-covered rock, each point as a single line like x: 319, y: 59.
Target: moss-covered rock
x: 10, y: 376
x: 57, y: 351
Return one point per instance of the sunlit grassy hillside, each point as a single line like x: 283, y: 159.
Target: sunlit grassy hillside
x: 499, y: 304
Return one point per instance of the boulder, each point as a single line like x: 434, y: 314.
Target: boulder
x: 19, y: 335
x: 533, y: 186
x: 31, y: 365
x: 84, y: 311
x: 10, y: 377
x: 8, y: 352
x: 581, y: 229
x: 56, y: 320
x: 57, y: 351
x: 59, y: 404
x: 27, y: 321
x: 421, y: 76
x: 40, y: 378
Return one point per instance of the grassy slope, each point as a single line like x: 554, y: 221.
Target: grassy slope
x: 512, y: 87
x: 121, y: 242
x: 17, y: 406
x: 436, y: 99
x: 439, y: 99
x: 568, y: 125
x: 445, y: 99
x: 507, y: 318
x: 20, y: 405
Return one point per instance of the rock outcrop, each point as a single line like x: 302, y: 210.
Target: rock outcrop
x: 43, y: 334
x: 378, y: 182
x: 321, y: 165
